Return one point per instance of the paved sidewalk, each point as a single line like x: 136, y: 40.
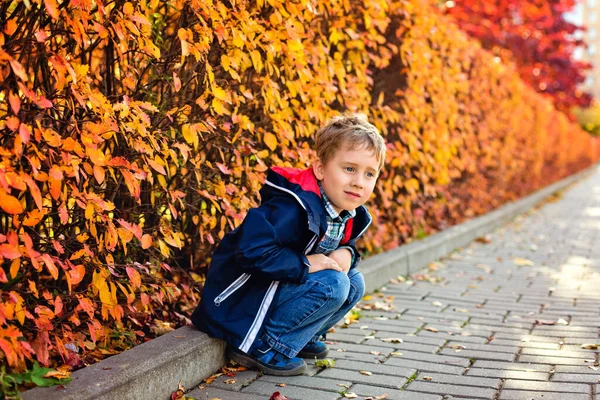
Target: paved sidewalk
x: 503, y: 318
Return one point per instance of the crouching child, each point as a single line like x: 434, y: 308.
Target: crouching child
x: 287, y: 274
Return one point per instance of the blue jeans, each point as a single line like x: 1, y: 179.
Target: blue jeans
x: 301, y: 313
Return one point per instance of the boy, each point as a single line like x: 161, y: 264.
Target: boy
x: 287, y: 274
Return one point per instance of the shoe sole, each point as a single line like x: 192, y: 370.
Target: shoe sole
x: 248, y: 362
x: 306, y: 354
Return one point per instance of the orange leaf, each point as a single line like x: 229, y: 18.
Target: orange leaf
x: 270, y: 140
x: 55, y: 188
x: 34, y: 217
x: 58, y: 306
x: 96, y: 156
x: 34, y: 191
x: 11, y: 27
x: 134, y: 277
x: 99, y: 174
x: 24, y: 133
x: 156, y: 166
x: 18, y: 70
x: 77, y: 273
x: 15, y: 102
x: 12, y: 123
x: 52, y: 8
x: 50, y: 265
x: 10, y: 204
x: 146, y: 241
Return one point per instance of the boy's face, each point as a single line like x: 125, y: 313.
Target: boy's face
x: 349, y: 177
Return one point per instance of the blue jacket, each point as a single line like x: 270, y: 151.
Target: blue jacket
x: 270, y: 246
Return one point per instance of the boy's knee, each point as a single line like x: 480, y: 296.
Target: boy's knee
x: 337, y: 281
x: 357, y: 287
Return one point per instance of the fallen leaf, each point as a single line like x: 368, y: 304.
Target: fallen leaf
x: 277, y: 396
x: 59, y: 373
x: 437, y: 304
x: 430, y: 329
x: 230, y: 381
x: 562, y: 322
x: 280, y: 384
x: 483, y: 239
x: 523, y: 262
x: 350, y: 395
x: 367, y: 373
x: 458, y: 347
x: 544, y: 322
x: 327, y: 363
x: 179, y: 393
x: 590, y: 346
x: 463, y: 310
x: 375, y: 353
x: 392, y: 340
x: 396, y: 354
x: 427, y: 378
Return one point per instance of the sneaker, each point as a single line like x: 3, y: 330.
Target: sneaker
x: 270, y: 362
x: 314, y: 350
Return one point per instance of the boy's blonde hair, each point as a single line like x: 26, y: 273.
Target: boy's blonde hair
x: 353, y: 130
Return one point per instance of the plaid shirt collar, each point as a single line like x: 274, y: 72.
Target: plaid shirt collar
x: 344, y: 216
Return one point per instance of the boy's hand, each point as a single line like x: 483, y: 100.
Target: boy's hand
x: 343, y: 257
x: 319, y: 262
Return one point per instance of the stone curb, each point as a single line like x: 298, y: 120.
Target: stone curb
x: 153, y: 370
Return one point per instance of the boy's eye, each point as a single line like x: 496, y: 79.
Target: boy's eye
x: 370, y: 174
x: 349, y: 169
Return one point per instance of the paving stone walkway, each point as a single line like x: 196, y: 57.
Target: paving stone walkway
x: 503, y: 318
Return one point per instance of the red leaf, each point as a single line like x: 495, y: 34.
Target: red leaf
x: 278, y: 396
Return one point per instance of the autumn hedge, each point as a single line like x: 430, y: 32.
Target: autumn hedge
x: 135, y: 134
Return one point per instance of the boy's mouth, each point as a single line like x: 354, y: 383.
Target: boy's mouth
x: 352, y: 194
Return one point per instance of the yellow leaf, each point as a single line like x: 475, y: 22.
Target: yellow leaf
x: 218, y: 106
x: 96, y: 156
x: 219, y: 93
x: 295, y: 45
x: 270, y: 140
x: 523, y: 262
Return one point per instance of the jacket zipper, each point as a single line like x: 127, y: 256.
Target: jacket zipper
x: 238, y: 283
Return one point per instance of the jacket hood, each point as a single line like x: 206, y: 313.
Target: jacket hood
x: 303, y: 185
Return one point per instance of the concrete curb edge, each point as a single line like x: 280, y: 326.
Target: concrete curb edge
x: 151, y: 371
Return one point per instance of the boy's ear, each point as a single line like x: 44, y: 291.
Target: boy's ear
x: 318, y: 169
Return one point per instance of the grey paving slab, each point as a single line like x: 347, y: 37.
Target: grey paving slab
x: 453, y: 390
x: 373, y: 391
x: 386, y: 381
x: 528, y: 395
x: 216, y: 393
x: 536, y: 386
x: 459, y: 380
x: 310, y: 382
x: 508, y: 374
x: 266, y: 389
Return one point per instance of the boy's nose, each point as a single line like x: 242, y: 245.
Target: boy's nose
x: 358, y: 182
